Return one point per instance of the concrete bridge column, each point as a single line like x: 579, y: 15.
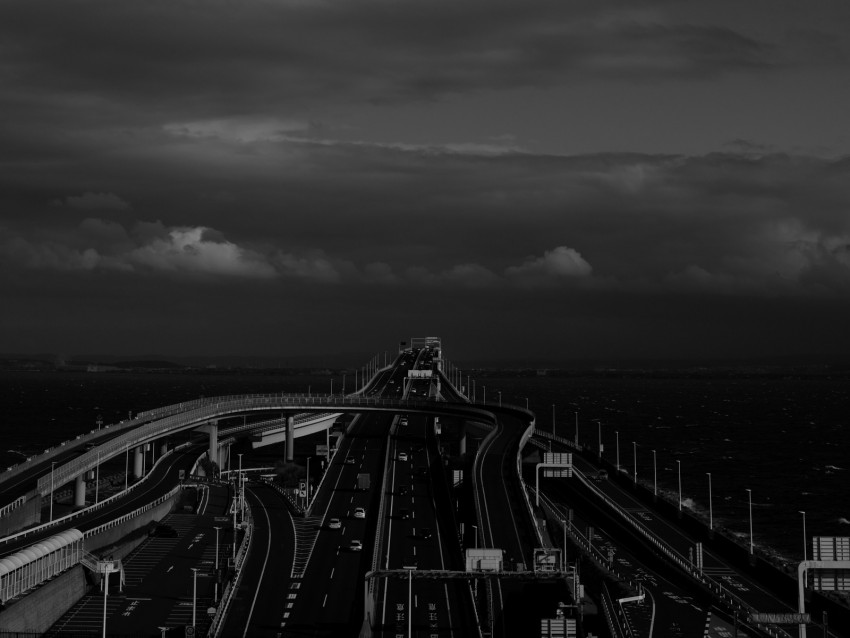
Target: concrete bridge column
x: 138, y: 461
x: 80, y: 491
x: 163, y: 450
x: 211, y: 428
x: 463, y: 441
x: 290, y: 438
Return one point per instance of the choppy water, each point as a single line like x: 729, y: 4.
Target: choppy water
x: 785, y: 438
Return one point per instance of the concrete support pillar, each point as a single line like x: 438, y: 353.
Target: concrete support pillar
x: 138, y: 462
x: 212, y: 449
x: 290, y: 438
x: 163, y: 448
x: 463, y: 442
x: 80, y: 491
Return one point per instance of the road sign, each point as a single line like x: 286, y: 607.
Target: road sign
x: 564, y: 459
x: 831, y: 548
x: 781, y: 618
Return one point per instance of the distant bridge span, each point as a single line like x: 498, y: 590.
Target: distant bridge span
x: 214, y: 408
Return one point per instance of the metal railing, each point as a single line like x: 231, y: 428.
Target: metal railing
x: 227, y: 596
x: 64, y: 519
x: 227, y: 405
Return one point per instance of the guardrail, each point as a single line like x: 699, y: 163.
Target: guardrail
x: 225, y: 406
x: 724, y: 594
x: 140, y: 418
x: 379, y: 534
x: 90, y: 508
x: 13, y: 505
x: 117, y: 522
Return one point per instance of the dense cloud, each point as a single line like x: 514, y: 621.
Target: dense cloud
x: 413, y: 166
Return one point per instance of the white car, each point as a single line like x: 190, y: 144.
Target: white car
x: 335, y: 523
x: 359, y: 512
x: 355, y: 545
x: 402, y: 456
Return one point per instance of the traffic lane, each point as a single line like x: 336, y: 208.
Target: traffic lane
x: 736, y: 582
x: 167, y: 589
x: 334, y: 576
x: 424, y: 603
x: 507, y: 526
x: 162, y: 479
x: 676, y: 608
x: 268, y: 604
x: 501, y: 502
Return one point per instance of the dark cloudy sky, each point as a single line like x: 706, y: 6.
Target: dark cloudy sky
x: 522, y: 178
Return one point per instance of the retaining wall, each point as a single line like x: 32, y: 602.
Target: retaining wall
x: 113, y: 536
x: 28, y: 513
x: 41, y: 608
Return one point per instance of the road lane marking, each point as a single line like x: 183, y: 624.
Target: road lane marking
x: 325, y: 601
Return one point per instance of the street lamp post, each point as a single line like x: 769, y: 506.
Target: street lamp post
x: 710, y: 511
x: 97, y: 480
x: 410, y: 600
x: 617, y: 440
x: 553, y: 419
x: 526, y: 403
x: 654, y: 475
x: 599, y: 449
x: 634, y: 457
x: 750, y: 500
x: 576, y: 441
x: 679, y: 469
x: 500, y: 398
x: 241, y: 489
x: 194, y: 592
x: 804, y: 534
x: 52, y: 465
x: 485, y: 394
x: 308, y: 482
x: 216, y: 564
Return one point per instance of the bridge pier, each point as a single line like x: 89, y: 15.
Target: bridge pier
x: 138, y: 462
x: 163, y: 450
x: 80, y: 491
x: 211, y: 428
x: 463, y: 440
x: 290, y: 438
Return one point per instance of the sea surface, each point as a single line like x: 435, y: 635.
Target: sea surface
x: 785, y: 437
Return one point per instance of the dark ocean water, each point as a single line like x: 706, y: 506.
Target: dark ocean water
x: 785, y: 438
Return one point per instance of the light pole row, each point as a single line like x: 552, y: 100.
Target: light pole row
x: 600, y: 450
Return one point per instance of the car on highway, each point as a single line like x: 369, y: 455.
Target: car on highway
x: 350, y: 460
x: 355, y: 545
x: 404, y: 513
x: 425, y: 532
x: 402, y: 456
x: 359, y: 512
x: 335, y: 523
